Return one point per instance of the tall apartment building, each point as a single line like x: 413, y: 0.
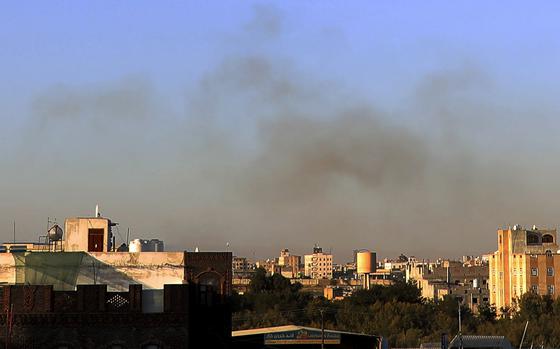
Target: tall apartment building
x: 318, y: 265
x: 525, y: 261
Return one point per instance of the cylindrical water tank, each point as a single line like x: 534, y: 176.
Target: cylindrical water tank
x: 135, y: 246
x: 55, y: 233
x: 366, y: 261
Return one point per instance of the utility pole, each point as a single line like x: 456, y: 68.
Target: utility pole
x: 321, y: 311
x: 460, y: 334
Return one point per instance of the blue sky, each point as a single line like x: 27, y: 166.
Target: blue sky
x: 372, y: 46
x: 466, y: 77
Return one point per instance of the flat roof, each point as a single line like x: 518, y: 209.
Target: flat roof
x: 276, y: 329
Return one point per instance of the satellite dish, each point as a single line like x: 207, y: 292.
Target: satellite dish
x: 55, y: 233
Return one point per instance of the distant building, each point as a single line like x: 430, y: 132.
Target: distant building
x: 270, y: 265
x: 526, y: 261
x: 468, y: 284
x: 291, y: 264
x: 318, y: 265
x: 239, y: 264
x: 152, y: 245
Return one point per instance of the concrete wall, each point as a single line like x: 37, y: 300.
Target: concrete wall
x: 119, y: 269
x: 116, y: 269
x: 7, y: 269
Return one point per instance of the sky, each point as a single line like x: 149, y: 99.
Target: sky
x: 397, y: 126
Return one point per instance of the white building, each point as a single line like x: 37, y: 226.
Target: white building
x: 318, y: 265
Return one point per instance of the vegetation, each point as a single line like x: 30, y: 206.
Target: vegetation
x: 396, y: 312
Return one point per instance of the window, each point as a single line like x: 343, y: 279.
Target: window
x: 535, y: 289
x: 550, y: 271
x: 534, y: 272
x: 547, y: 239
x: 550, y: 289
x: 532, y: 239
x: 475, y: 300
x: 548, y: 253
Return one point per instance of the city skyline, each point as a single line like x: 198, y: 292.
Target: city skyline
x: 411, y: 128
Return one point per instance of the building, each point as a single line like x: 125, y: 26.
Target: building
x: 76, y: 291
x: 465, y: 282
x: 297, y: 337
x: 270, y: 265
x: 526, y: 261
x: 318, y: 265
x: 240, y: 264
x: 152, y: 245
x: 291, y: 264
x: 90, y: 234
x: 180, y: 316
x: 89, y: 258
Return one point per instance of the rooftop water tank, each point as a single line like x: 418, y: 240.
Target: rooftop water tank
x: 55, y: 233
x: 135, y: 246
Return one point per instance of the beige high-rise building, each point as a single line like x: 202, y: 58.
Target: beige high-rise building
x: 526, y: 261
x: 318, y: 265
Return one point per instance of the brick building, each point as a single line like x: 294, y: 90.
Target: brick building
x: 91, y: 317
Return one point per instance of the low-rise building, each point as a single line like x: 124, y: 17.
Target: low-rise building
x: 467, y: 283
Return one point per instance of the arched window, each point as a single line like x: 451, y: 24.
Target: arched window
x: 548, y: 253
x: 208, y: 284
x: 210, y: 279
x: 532, y: 238
x: 547, y: 238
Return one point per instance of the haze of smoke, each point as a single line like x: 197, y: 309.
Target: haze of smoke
x: 269, y: 157
x: 127, y: 99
